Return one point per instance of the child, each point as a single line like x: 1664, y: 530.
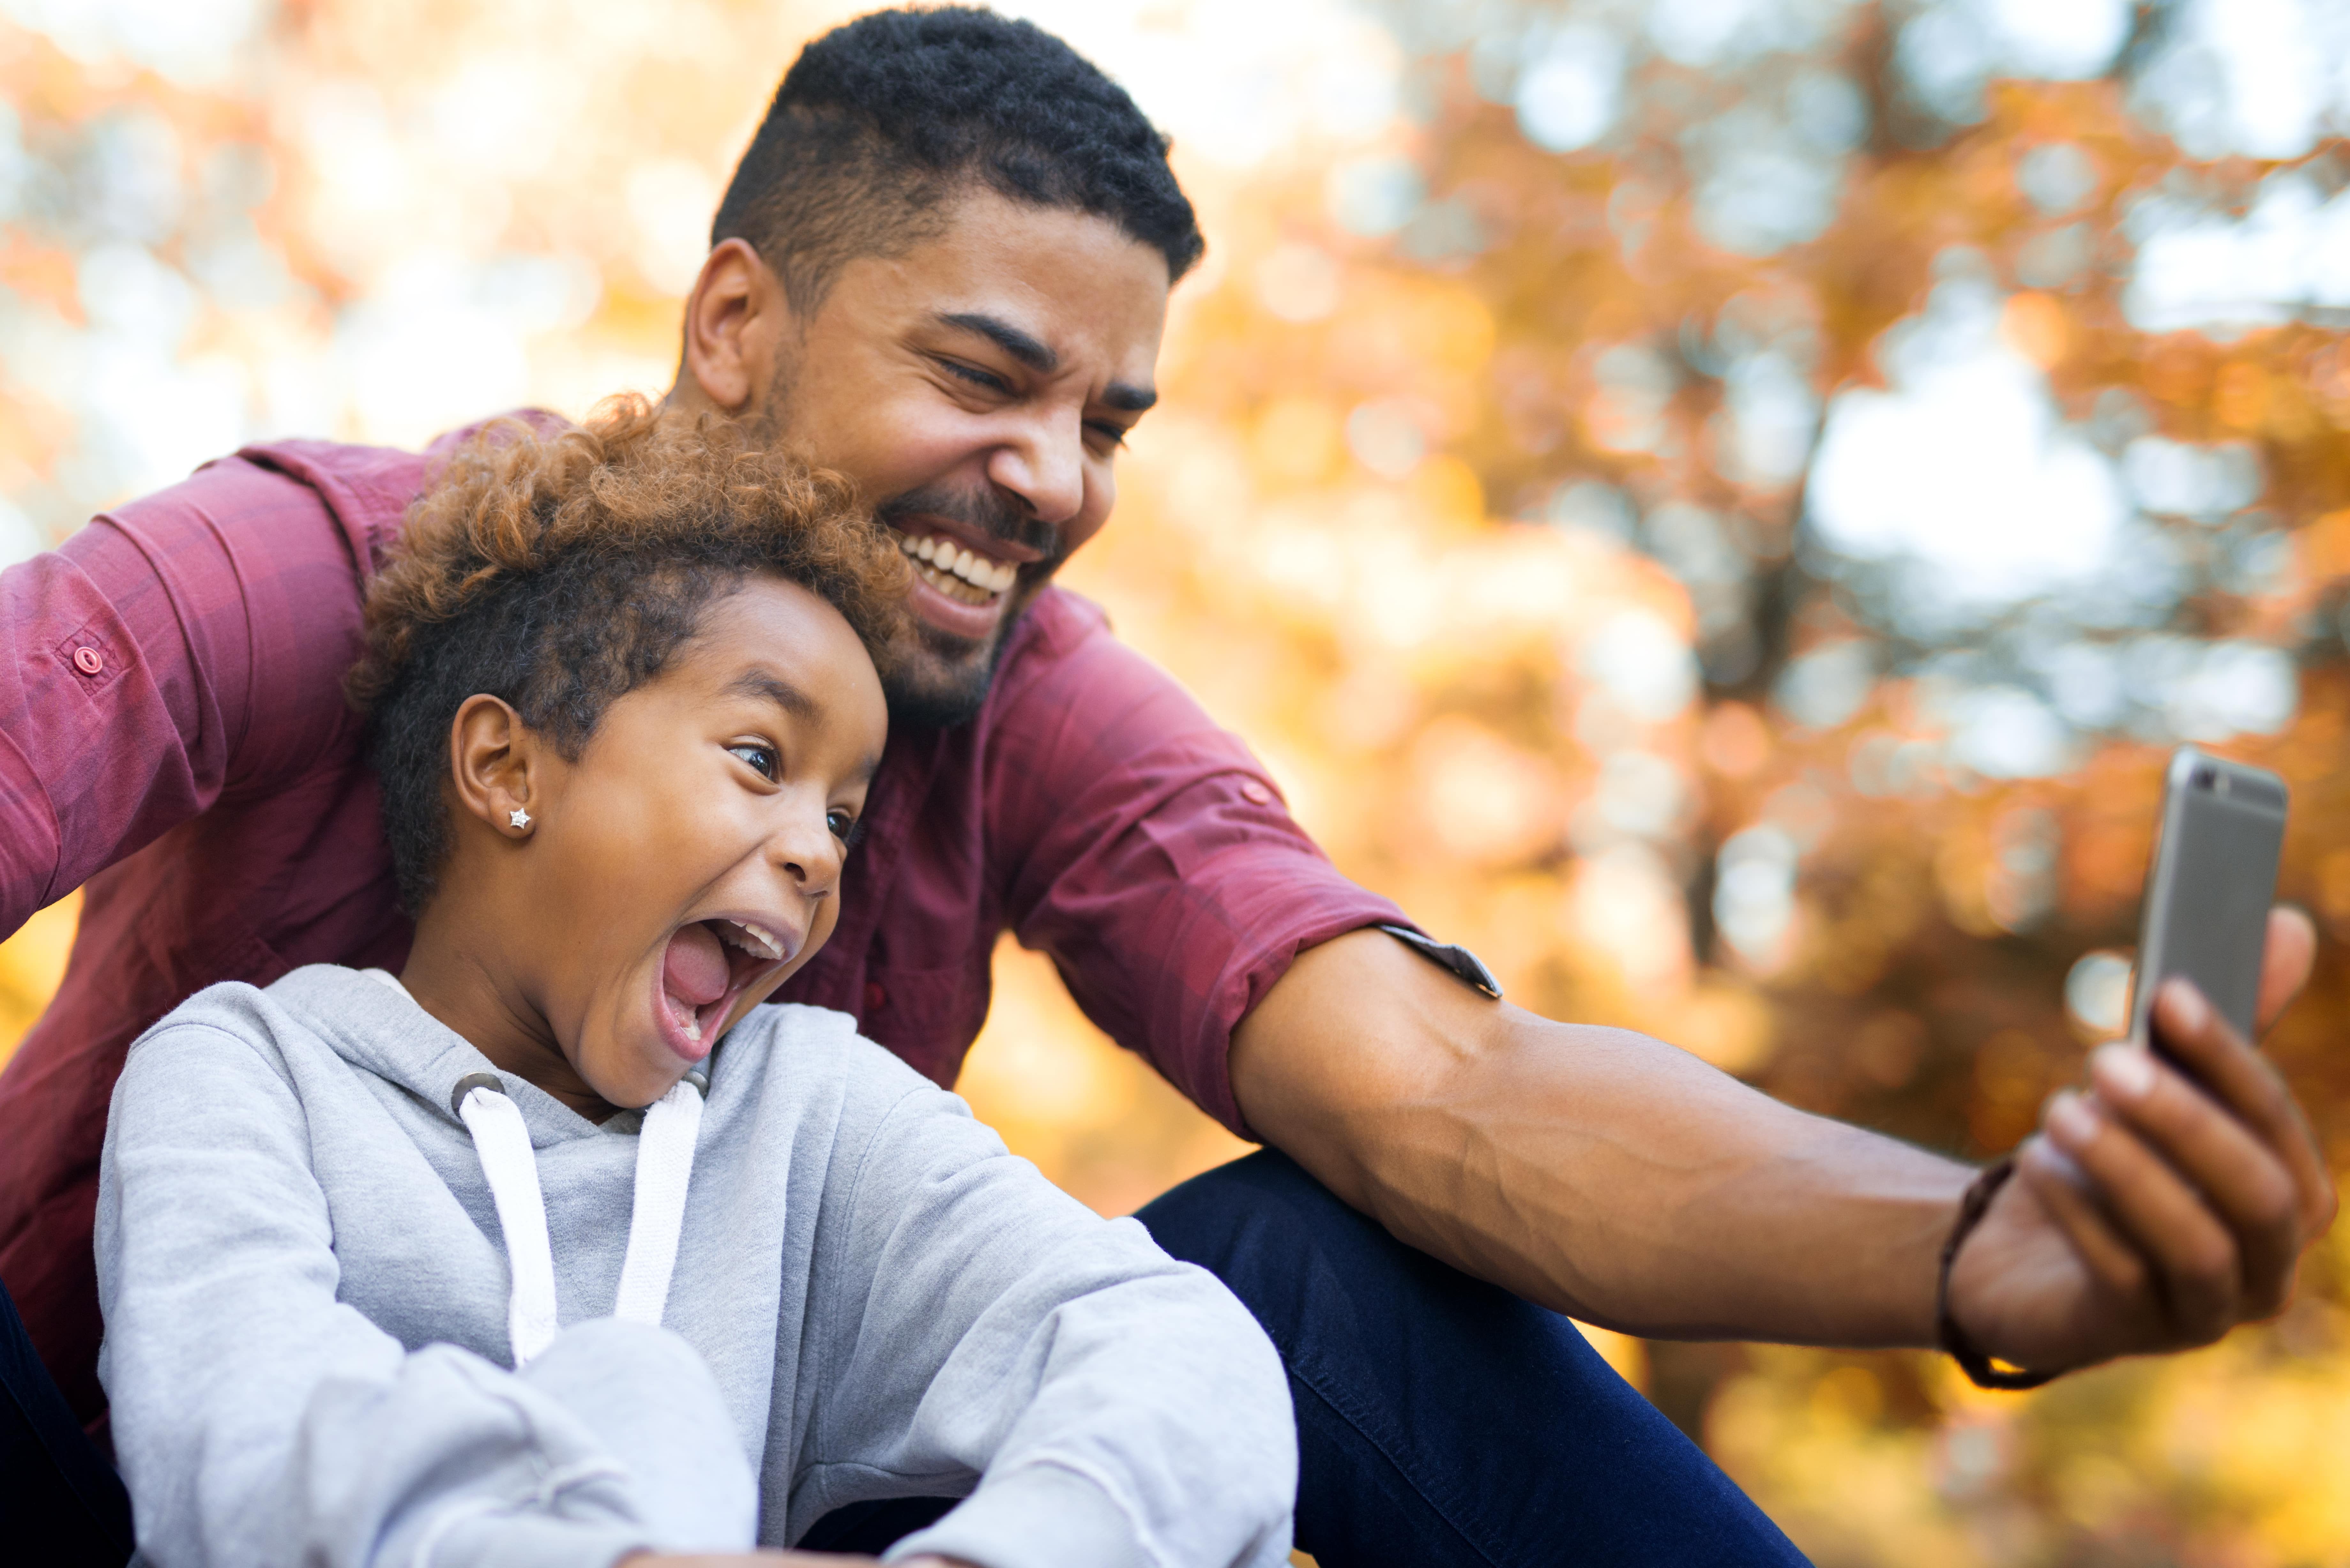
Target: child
x: 559, y: 1249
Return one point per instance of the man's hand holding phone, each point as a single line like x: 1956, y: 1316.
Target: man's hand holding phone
x: 2168, y: 1201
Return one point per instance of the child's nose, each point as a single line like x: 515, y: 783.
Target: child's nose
x: 808, y: 852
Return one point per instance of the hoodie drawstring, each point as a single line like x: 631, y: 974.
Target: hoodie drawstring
x: 664, y: 1165
x: 664, y: 1162
x: 502, y: 1144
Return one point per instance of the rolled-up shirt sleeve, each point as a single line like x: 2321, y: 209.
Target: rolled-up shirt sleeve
x: 129, y: 661
x: 1159, y: 867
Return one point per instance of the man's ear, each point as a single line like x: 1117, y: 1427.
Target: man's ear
x: 494, y: 760
x: 735, y: 319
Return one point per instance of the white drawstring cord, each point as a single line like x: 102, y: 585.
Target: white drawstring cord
x: 665, y: 1148
x: 664, y: 1165
x: 501, y: 1142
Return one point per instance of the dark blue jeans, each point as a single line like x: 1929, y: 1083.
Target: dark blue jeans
x: 1440, y: 1420
x: 59, y: 1500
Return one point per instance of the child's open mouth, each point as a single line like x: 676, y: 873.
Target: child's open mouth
x: 708, y: 967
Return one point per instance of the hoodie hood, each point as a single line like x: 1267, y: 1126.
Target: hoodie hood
x: 496, y: 1114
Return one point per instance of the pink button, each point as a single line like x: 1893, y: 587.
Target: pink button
x: 89, y: 661
x: 1256, y: 794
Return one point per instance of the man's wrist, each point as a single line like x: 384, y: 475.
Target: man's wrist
x: 1954, y: 1342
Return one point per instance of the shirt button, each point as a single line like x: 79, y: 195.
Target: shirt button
x: 1256, y: 794
x: 89, y: 661
x: 874, y: 996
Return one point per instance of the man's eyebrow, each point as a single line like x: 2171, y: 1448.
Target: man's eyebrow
x: 775, y: 690
x: 1006, y: 337
x: 1118, y: 395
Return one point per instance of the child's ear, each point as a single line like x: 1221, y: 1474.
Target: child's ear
x: 493, y: 758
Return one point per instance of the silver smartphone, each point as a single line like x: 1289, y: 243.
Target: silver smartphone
x: 2213, y: 878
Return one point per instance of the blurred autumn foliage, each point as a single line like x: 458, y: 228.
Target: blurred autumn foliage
x: 1721, y: 508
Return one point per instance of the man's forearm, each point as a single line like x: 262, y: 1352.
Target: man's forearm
x: 1594, y: 1170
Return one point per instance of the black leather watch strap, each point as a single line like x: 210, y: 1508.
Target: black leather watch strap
x: 1463, y: 964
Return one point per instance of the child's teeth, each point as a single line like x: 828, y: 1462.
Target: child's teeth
x: 754, y: 939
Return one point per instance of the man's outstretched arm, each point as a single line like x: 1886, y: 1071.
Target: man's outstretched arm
x: 177, y: 646
x: 1608, y: 1175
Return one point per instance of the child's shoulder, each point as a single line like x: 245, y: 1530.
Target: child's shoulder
x: 231, y: 1008
x: 230, y: 1039
x: 815, y: 1047
x: 803, y: 1078
x: 232, y: 1021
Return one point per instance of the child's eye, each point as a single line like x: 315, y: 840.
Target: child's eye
x: 761, y: 758
x: 845, y: 827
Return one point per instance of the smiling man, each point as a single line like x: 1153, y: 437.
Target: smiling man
x: 972, y: 359
x: 942, y: 270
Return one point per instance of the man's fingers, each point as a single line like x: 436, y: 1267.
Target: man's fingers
x: 2224, y: 1065
x: 2285, y: 963
x: 2056, y: 1182
x: 2232, y: 1170
x: 2194, y: 1255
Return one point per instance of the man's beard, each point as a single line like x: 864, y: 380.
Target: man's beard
x: 932, y: 678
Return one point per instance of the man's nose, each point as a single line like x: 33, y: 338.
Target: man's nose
x: 1045, y: 466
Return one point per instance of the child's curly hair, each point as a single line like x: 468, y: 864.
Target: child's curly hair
x: 560, y: 572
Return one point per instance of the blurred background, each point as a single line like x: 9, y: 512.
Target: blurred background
x: 1720, y: 505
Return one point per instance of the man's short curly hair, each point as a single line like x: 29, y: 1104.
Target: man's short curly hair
x: 561, y: 571
x: 883, y: 120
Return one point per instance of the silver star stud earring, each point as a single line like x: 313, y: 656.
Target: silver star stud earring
x: 519, y: 817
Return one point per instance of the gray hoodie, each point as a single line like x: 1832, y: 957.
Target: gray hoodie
x: 837, y: 1286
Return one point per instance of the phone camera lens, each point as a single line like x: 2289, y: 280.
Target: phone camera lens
x: 2204, y: 778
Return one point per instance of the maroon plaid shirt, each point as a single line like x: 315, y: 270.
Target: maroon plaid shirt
x: 173, y: 737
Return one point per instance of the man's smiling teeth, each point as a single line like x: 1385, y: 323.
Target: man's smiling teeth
x: 955, y: 571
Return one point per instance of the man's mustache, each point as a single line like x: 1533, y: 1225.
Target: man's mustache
x: 982, y: 512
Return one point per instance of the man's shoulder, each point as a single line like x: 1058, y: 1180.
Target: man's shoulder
x: 365, y: 489
x: 1067, y: 672
x: 1059, y: 622
x: 1063, y: 650
x: 368, y: 489
x: 351, y: 479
